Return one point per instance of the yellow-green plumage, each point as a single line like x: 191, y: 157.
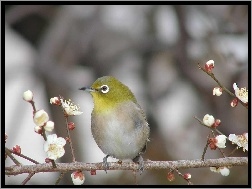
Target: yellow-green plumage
x: 118, y: 123
x: 118, y: 93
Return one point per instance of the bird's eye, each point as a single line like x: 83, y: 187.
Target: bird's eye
x: 104, y: 89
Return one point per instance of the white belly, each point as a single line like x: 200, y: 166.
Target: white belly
x: 122, y: 135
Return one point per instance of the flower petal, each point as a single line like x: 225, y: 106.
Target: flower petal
x: 61, y: 141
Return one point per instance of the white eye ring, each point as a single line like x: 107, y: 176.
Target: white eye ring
x: 104, y: 89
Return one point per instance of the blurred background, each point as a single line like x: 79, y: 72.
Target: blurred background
x: 54, y: 50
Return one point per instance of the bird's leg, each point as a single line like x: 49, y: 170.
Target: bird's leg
x: 105, y: 163
x: 139, y: 159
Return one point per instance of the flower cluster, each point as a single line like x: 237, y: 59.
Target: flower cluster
x: 53, y: 146
x: 219, y: 141
x: 239, y: 140
x: 240, y: 93
x: 41, y: 119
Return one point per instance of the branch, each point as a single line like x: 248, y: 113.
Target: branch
x: 21, y: 155
x: 212, y: 128
x: 220, y: 85
x: 148, y: 165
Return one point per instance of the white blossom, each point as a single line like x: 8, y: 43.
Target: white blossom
x: 210, y: 63
x: 78, y: 177
x: 55, y: 101
x: 221, y: 141
x: 70, y: 108
x: 40, y: 117
x: 209, y: 66
x: 54, y: 146
x: 49, y: 126
x: 217, y: 91
x: 242, y: 93
x: 208, y: 120
x: 28, y: 96
x: 239, y: 140
x: 224, y: 171
x: 38, y: 129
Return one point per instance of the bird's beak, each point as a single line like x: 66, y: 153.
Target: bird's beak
x: 88, y: 89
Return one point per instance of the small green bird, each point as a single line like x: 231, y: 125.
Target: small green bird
x: 118, y: 123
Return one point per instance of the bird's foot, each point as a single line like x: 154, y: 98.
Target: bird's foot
x: 105, y: 163
x: 139, y: 160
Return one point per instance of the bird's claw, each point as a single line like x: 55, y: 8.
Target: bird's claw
x: 105, y: 163
x: 139, y: 160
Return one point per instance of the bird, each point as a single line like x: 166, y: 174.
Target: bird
x: 118, y: 123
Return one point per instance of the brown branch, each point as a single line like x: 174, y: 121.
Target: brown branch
x: 216, y: 80
x: 69, y: 136
x: 181, y: 175
x: 205, y: 149
x: 236, y: 148
x: 148, y: 165
x: 23, y: 156
x: 220, y: 85
x: 43, y: 134
x: 33, y: 106
x: 213, y: 129
x: 59, y: 178
x: 8, y: 152
x: 28, y: 178
x: 68, y: 131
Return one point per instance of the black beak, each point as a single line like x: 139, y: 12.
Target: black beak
x: 88, y: 89
x: 83, y: 88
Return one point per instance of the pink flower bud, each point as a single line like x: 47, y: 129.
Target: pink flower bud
x: 209, y: 66
x: 234, y: 102
x: 17, y: 149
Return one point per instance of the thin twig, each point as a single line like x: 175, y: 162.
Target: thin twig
x: 43, y: 134
x: 205, y: 149
x: 135, y: 177
x: 33, y: 106
x: 59, y: 178
x: 70, y: 140
x: 236, y: 148
x: 28, y: 178
x: 181, y: 175
x: 9, y: 153
x: 24, y: 156
x: 213, y: 129
x: 68, y: 131
x: 220, y: 85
